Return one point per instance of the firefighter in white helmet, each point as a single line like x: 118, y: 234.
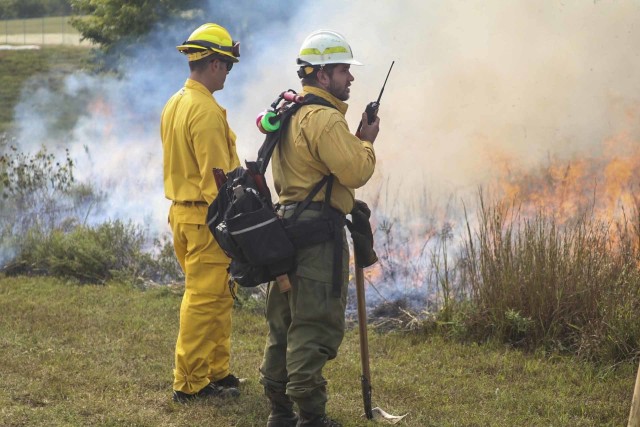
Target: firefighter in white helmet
x: 306, y: 326
x: 195, y: 139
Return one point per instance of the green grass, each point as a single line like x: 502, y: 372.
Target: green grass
x: 47, y: 25
x: 53, y: 63
x: 102, y: 355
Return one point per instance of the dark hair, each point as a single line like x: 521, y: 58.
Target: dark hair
x: 311, y: 79
x: 203, y: 63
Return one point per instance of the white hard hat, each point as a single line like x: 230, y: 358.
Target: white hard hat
x: 325, y: 47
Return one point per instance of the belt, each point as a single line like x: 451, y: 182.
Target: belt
x: 314, y: 206
x: 189, y: 203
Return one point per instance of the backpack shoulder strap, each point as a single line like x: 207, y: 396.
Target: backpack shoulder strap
x: 328, y: 179
x: 272, y: 138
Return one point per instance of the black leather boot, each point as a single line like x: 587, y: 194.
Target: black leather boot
x: 282, y: 414
x: 316, y: 420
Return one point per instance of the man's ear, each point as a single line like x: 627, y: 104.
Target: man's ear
x: 323, y: 77
x: 215, y: 64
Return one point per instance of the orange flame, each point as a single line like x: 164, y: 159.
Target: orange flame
x: 565, y: 189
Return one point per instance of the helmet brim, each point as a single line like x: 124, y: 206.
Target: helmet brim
x: 189, y: 48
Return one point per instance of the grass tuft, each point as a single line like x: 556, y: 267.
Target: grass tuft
x: 571, y: 286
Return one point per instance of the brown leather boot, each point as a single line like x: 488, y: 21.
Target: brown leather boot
x: 282, y: 414
x: 316, y: 420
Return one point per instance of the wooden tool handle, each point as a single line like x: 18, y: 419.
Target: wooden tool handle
x: 364, y: 340
x: 634, y: 415
x: 283, y: 283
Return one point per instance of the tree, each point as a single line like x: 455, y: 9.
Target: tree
x: 108, y: 22
x: 21, y: 9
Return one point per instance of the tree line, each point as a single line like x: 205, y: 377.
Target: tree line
x: 104, y: 22
x: 22, y: 9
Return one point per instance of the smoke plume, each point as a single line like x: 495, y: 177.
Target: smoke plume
x: 477, y: 87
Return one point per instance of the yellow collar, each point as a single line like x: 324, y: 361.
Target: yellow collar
x: 340, y: 105
x: 196, y: 85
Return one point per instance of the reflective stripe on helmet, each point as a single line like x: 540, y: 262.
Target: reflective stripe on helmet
x: 326, y: 51
x: 195, y: 56
x: 324, y: 47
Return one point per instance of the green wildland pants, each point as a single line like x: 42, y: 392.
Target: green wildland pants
x: 306, y: 327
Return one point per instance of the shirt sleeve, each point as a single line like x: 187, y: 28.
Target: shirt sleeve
x: 348, y: 158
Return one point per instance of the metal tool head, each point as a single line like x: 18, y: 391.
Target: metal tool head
x: 380, y: 415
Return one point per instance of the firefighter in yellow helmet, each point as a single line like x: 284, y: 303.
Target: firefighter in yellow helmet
x: 195, y: 139
x: 306, y: 325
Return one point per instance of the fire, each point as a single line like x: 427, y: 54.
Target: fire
x: 100, y: 107
x: 618, y: 175
x: 102, y: 113
x: 564, y: 189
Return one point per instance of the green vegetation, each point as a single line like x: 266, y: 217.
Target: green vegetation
x: 43, y: 216
x: 51, y: 31
x: 96, y: 254
x: 108, y: 22
x: 538, y: 283
x: 533, y: 281
x: 534, y: 291
x: 12, y: 9
x: 103, y: 355
x: 33, y: 189
x: 572, y: 286
x: 45, y: 25
x: 17, y: 68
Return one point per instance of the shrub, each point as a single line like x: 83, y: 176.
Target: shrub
x: 112, y: 250
x: 36, y: 190
x: 43, y: 225
x: 573, y: 286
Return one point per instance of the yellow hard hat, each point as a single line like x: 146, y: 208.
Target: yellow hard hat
x: 208, y: 39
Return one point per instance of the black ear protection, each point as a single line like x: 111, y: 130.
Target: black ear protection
x: 307, y: 69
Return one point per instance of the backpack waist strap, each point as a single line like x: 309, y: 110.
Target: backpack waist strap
x: 314, y: 206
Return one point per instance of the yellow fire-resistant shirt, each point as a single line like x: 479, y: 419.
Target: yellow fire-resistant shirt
x: 318, y: 142
x: 195, y: 139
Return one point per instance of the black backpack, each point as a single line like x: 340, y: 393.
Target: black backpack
x: 243, y: 219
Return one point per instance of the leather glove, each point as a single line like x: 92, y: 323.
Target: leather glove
x: 362, y: 235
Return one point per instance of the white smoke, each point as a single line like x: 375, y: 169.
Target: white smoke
x: 476, y: 85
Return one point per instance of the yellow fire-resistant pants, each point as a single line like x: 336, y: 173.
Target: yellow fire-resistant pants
x: 203, y: 345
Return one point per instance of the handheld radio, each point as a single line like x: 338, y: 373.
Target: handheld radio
x: 372, y: 107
